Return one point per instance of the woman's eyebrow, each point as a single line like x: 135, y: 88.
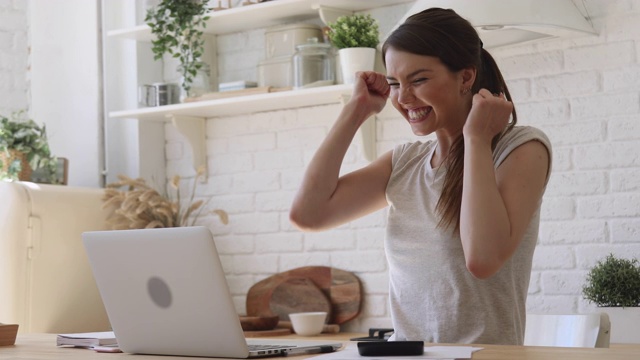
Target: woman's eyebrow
x: 412, y: 74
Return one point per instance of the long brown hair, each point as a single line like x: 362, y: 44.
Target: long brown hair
x: 442, y: 33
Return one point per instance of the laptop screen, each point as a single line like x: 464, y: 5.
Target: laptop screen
x: 165, y: 292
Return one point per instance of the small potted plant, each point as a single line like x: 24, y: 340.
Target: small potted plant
x: 613, y: 284
x: 178, y: 28
x: 23, y: 148
x: 356, y: 37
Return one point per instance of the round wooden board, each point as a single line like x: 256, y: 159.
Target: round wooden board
x: 298, y: 295
x: 341, y: 288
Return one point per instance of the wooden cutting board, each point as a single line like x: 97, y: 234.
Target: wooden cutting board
x: 236, y: 93
x: 267, y: 333
x: 298, y: 295
x: 342, y: 289
x: 258, y: 323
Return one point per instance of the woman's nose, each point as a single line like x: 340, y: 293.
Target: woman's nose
x: 405, y: 95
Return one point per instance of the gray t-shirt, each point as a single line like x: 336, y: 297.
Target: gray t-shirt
x: 433, y: 297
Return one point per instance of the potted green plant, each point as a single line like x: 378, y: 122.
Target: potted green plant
x: 178, y: 28
x: 356, y: 37
x: 23, y: 148
x: 613, y: 285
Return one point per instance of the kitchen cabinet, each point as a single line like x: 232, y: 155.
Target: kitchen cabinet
x: 189, y: 117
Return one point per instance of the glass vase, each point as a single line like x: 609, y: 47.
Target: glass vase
x: 200, y: 84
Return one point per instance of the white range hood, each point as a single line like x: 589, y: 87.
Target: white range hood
x: 508, y: 22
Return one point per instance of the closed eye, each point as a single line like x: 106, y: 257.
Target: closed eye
x: 418, y: 81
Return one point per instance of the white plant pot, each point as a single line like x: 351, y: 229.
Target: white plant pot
x: 625, y: 324
x: 353, y: 60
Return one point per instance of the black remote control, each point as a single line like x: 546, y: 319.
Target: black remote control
x: 390, y: 348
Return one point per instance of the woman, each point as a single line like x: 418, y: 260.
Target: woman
x: 459, y: 247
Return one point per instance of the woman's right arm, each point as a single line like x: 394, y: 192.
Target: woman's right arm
x: 325, y: 199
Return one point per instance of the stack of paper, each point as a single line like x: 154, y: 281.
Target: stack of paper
x: 90, y: 339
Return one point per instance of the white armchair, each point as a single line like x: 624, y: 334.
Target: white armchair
x: 46, y: 284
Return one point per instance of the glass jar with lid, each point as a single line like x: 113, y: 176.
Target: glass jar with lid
x: 313, y: 64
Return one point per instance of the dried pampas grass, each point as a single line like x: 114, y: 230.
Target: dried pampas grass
x: 139, y: 206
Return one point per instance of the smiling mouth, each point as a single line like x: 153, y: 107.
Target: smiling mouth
x: 419, y: 114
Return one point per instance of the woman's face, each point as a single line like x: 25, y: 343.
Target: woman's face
x: 426, y: 93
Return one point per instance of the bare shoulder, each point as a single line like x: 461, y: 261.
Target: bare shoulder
x: 524, y: 149
x: 531, y: 153
x: 526, y: 168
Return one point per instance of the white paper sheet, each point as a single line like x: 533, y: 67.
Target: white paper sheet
x: 87, y: 339
x: 350, y: 352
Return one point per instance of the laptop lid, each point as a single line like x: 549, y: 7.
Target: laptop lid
x: 165, y: 293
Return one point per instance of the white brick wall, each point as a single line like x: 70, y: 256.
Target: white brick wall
x: 14, y: 56
x: 584, y: 93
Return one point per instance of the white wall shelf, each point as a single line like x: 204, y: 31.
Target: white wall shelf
x: 261, y: 15
x: 189, y: 118
x: 241, y: 104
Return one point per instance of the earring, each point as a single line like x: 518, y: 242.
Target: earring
x: 465, y: 91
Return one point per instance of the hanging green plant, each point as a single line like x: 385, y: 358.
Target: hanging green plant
x: 178, y: 28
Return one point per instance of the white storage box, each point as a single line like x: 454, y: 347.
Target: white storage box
x: 282, y: 40
x: 276, y: 72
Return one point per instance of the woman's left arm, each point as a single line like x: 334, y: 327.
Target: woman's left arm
x: 497, y: 204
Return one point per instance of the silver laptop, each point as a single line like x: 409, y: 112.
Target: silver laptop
x: 165, y: 293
